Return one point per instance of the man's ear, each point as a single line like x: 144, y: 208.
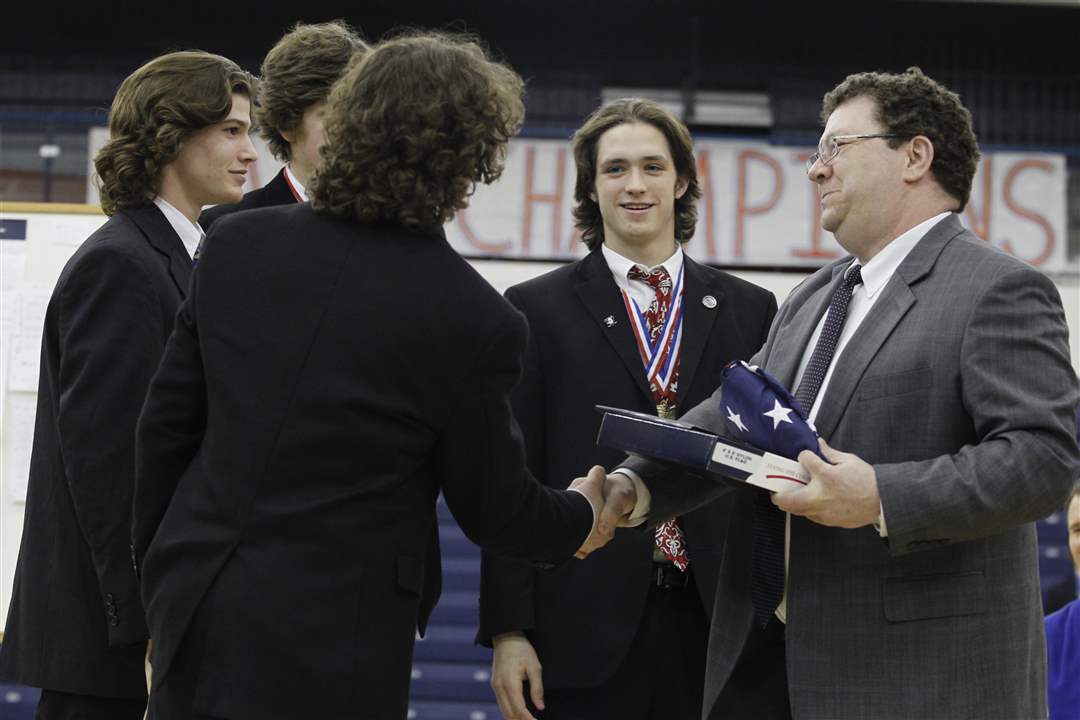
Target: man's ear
x: 592, y: 196
x: 920, y: 156
x: 680, y: 187
x: 289, y: 135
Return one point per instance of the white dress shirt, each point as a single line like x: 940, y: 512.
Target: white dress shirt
x: 191, y: 234
x: 640, y: 291
x: 297, y: 185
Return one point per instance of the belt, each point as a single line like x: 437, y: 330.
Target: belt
x: 668, y: 577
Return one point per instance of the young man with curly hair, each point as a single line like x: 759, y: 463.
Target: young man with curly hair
x: 637, y: 191
x: 178, y: 140
x: 335, y: 366
x: 294, y: 82
x: 903, y: 580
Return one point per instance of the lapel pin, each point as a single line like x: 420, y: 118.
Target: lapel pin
x: 709, y: 301
x: 610, y: 321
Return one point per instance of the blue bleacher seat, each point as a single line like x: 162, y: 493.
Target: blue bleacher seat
x: 443, y: 512
x: 454, y: 543
x: 1054, y: 559
x: 448, y: 643
x: 453, y: 711
x: 18, y: 703
x: 457, y: 607
x: 451, y: 681
x: 461, y: 573
x: 1053, y: 528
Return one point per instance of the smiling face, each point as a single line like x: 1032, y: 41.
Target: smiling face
x: 212, y: 164
x: 860, y: 189
x: 635, y: 188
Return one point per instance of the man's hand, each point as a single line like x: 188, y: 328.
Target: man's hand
x: 841, y: 494
x: 613, y: 498
x: 514, y: 661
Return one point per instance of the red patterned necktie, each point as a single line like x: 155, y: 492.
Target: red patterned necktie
x: 669, y: 536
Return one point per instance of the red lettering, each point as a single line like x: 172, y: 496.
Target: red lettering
x: 485, y: 247
x: 1010, y: 202
x: 742, y: 210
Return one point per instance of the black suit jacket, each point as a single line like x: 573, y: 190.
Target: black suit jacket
x: 582, y: 618
x: 76, y: 623
x: 275, y: 192
x: 312, y: 402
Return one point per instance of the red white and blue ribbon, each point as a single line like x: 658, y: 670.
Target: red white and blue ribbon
x: 660, y: 356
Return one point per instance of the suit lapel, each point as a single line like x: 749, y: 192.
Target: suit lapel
x: 278, y: 192
x: 792, y: 339
x: 597, y: 291
x: 698, y: 320
x: 896, y: 300
x: 160, y: 234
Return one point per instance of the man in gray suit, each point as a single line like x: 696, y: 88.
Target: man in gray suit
x: 906, y: 579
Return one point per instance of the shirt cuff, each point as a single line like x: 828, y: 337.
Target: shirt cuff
x: 879, y: 524
x: 644, y: 497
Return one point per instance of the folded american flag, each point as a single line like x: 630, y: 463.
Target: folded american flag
x: 760, y: 412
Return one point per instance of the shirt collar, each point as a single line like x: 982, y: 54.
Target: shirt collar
x: 620, y: 265
x: 191, y: 234
x: 296, y: 183
x: 876, y: 273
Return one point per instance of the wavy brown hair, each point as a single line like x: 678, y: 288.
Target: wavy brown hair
x: 910, y: 104
x: 299, y: 72
x: 155, y: 109
x: 411, y: 128
x: 586, y: 140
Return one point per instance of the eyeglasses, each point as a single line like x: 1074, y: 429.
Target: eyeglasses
x: 829, y: 149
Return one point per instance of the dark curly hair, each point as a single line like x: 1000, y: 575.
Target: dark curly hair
x: 411, y: 128
x: 155, y: 109
x: 909, y: 104
x: 297, y: 73
x: 587, y: 217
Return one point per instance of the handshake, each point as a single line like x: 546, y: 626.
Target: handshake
x: 613, y: 498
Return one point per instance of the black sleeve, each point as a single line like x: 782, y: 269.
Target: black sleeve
x: 171, y: 425
x: 506, y: 586
x: 480, y: 456
x: 111, y: 332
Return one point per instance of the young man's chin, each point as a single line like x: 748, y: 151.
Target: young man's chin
x: 228, y: 196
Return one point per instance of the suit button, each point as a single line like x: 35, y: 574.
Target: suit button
x: 114, y: 622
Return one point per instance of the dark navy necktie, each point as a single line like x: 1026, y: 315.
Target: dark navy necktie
x: 767, y: 582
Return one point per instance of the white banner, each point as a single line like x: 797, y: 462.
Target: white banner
x: 758, y: 207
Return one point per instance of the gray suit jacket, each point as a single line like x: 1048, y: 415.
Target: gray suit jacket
x: 957, y: 388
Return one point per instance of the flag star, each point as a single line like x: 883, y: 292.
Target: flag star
x: 736, y: 420
x: 779, y: 414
